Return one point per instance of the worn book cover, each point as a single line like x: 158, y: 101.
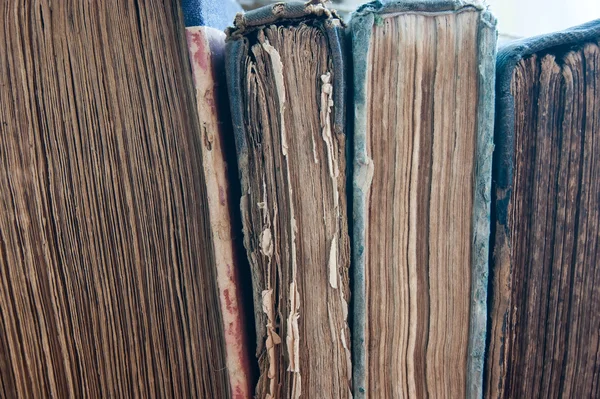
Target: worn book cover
x: 423, y: 92
x: 544, y: 313
x: 286, y: 80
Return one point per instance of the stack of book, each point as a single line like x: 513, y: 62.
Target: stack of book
x: 296, y: 206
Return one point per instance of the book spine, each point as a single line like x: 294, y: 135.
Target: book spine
x: 481, y: 204
x: 237, y: 49
x: 362, y: 174
x: 206, y: 49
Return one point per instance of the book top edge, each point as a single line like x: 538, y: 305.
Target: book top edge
x: 510, y: 53
x: 292, y: 11
x: 396, y: 6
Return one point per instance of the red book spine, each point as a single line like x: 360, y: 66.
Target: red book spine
x: 206, y: 47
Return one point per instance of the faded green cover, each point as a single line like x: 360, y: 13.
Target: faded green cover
x: 360, y: 30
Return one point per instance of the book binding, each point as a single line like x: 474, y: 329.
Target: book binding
x: 236, y: 49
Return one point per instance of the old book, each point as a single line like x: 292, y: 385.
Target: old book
x: 545, y: 308
x: 107, y: 265
x: 205, y: 22
x: 423, y: 120
x: 285, y: 74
